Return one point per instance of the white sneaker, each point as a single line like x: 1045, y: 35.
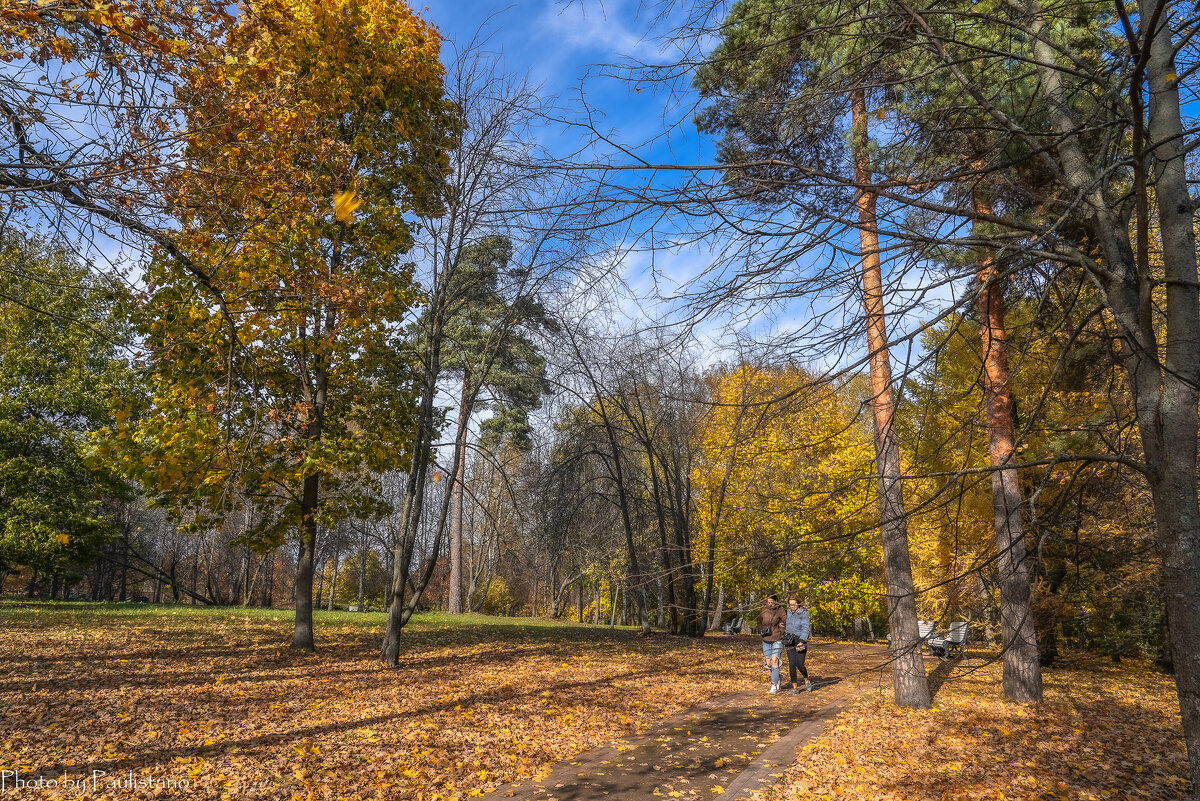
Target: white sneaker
x: 774, y: 689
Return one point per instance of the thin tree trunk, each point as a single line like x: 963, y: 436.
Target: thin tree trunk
x: 402, y: 548
x: 302, y: 638
x: 714, y: 623
x: 195, y: 573
x: 1022, y: 671
x: 320, y: 573
x: 454, y: 603
x: 333, y: 581
x: 362, y: 579
x: 908, y: 672
x: 692, y: 620
x: 635, y: 573
x: 269, y: 582
x: 124, y: 566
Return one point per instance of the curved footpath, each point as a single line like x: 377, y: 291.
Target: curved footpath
x: 725, y: 747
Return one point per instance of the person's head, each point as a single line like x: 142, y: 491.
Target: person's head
x: 793, y: 602
x: 772, y: 600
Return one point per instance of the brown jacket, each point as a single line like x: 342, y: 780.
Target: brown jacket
x: 775, y: 618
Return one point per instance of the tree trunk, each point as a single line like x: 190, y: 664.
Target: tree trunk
x: 908, y: 672
x: 1163, y: 376
x: 1022, y: 670
x: 1170, y: 420
x: 320, y: 573
x: 269, y: 582
x: 195, y: 573
x: 402, y: 548
x: 124, y: 566
x: 362, y: 575
x: 302, y: 639
x: 243, y: 578
x: 692, y: 617
x: 454, y: 603
x: 635, y: 573
x: 714, y: 622
x: 333, y: 581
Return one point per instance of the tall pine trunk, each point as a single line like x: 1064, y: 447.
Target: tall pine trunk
x: 908, y: 671
x: 1022, y: 670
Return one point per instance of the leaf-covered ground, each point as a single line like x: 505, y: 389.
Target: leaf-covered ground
x: 1103, y: 731
x: 210, y: 696
x: 157, y: 697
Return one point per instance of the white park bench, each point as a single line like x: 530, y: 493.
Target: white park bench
x: 944, y: 645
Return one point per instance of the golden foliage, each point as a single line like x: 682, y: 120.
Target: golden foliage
x: 785, y: 481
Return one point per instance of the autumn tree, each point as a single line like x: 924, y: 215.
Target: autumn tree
x: 1120, y: 193
x: 782, y: 97
x: 1092, y: 526
x: 783, y: 488
x: 87, y: 99
x: 323, y: 127
x: 498, y: 185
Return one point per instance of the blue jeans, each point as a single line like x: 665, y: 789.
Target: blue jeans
x: 773, y: 650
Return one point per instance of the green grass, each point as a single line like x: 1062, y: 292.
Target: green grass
x: 31, y: 610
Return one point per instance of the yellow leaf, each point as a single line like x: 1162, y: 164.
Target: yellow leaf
x: 345, y: 204
x: 717, y: 789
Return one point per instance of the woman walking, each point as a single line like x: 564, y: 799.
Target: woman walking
x: 771, y: 623
x: 799, y: 626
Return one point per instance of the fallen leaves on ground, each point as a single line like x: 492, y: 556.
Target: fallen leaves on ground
x: 163, y: 697
x: 1103, y: 731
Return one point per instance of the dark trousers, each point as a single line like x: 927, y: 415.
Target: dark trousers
x: 796, y: 662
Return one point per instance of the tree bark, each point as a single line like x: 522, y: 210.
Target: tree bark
x: 714, y: 622
x: 1171, y: 417
x: 402, y: 548
x: 302, y: 638
x: 908, y: 672
x: 454, y: 601
x: 1022, y: 669
x: 337, y: 545
x: 1164, y: 377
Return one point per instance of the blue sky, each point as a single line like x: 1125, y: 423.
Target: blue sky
x: 563, y: 47
x: 568, y: 47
